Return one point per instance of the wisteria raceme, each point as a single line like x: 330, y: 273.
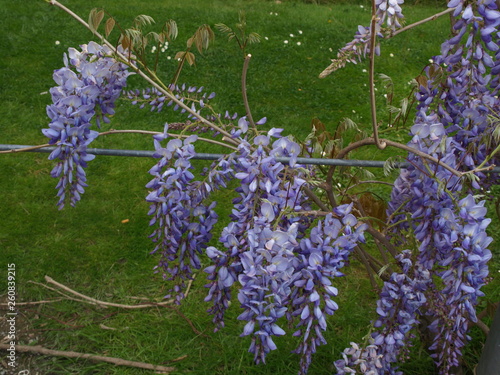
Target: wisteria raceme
x: 389, y: 13
x: 191, y: 96
x: 88, y: 87
x: 268, y: 271
x: 260, y: 177
x: 282, y: 271
x: 469, y: 96
x: 321, y: 256
x: 439, y: 226
x: 184, y: 222
x: 401, y: 302
x: 451, y: 124
x: 461, y: 240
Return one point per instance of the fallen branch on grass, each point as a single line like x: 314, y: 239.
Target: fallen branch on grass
x: 86, y: 299
x: 116, y: 361
x: 93, y: 301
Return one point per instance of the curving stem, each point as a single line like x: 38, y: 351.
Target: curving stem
x: 373, y: 28
x: 244, y: 91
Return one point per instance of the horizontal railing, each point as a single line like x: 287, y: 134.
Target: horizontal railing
x: 204, y: 156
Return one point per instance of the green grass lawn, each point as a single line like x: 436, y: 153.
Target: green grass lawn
x: 101, y: 247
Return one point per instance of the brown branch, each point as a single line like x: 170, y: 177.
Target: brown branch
x: 371, y: 141
x: 31, y: 148
x: 483, y: 327
x: 383, y: 240
x: 329, y: 186
x: 244, y: 92
x: 371, y: 71
x: 314, y: 213
x: 92, y: 357
x: 93, y: 301
x: 315, y: 198
x: 370, y: 182
x: 431, y: 18
x: 369, y: 269
x: 378, y: 267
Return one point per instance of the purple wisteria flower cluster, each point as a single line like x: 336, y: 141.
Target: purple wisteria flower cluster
x: 182, y: 218
x: 191, y: 96
x: 436, y: 207
x: 470, y: 94
x: 388, y: 14
x: 401, y: 302
x: 88, y: 87
x: 283, y: 260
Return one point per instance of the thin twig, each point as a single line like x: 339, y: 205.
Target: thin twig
x: 113, y: 131
x: 428, y: 19
x: 382, y: 239
x: 57, y: 291
x: 31, y: 148
x: 371, y: 141
x: 329, y: 186
x: 244, y: 91
x: 195, y: 330
x: 371, y: 71
x: 315, y: 198
x: 314, y: 213
x: 208, y: 140
x: 93, y: 301
x: 369, y: 182
x: 92, y: 357
x: 361, y: 253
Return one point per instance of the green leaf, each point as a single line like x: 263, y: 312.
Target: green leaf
x: 190, y: 58
x: 143, y: 20
x: 389, y: 166
x: 382, y: 270
x: 404, y: 106
x: 179, y: 55
x: 223, y: 28
x: 110, y: 24
x: 171, y: 30
x: 132, y: 38
x: 95, y: 18
x: 154, y: 36
x: 125, y: 42
x: 202, y: 38
x: 254, y: 38
x: 349, y: 124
